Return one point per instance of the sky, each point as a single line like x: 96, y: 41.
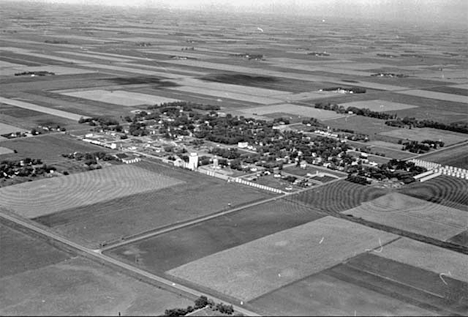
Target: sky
x: 428, y: 11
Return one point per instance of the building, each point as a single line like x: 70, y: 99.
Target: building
x: 193, y: 161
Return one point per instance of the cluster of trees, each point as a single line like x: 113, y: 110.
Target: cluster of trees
x: 184, y: 105
x: 24, y: 168
x: 200, y: 303
x: 281, y: 120
x: 106, y: 123
x: 231, y: 153
x: 391, y: 75
x: 137, y: 128
x: 56, y: 41
x: 313, y: 122
x: 358, y: 179
x: 354, y: 90
x: 35, y: 73
x: 358, y: 111
x: 90, y: 158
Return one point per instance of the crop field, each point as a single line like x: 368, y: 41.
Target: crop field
x: 366, y: 285
x: 338, y: 196
x: 391, y: 153
x: 453, y: 90
x: 454, y: 156
x: 48, y: 148
x: 119, y: 97
x: 170, y: 250
x: 444, y: 190
x: 263, y: 265
x: 4, y: 150
x: 435, y: 95
x: 428, y: 257
x: 30, y: 106
x: 81, y: 189
x: 194, y: 196
x: 420, y: 134
x: 413, y: 215
x: 295, y: 110
x: 378, y: 105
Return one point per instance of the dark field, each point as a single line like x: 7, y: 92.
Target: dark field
x: 191, y: 243
x: 460, y: 239
x: 338, y: 196
x: 444, y: 190
x: 122, y: 217
x: 368, y: 285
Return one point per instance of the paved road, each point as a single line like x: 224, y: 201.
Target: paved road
x: 102, y: 257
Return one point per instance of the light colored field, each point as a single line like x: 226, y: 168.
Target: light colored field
x: 8, y: 65
x: 4, y: 150
x: 378, y: 105
x: 295, y: 110
x: 413, y: 215
x: 106, y: 58
x: 389, y: 145
x: 429, y: 257
x: 80, y: 287
x: 226, y: 94
x: 30, y: 106
x: 119, y: 97
x: 462, y: 86
x: 254, y: 91
x: 58, y: 70
x: 5, y: 128
x: 187, y: 54
x: 152, y: 40
x: 435, y: 95
x: 261, y: 266
x: 81, y: 189
x: 420, y: 134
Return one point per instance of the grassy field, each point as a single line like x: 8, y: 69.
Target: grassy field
x: 420, y: 134
x: 444, y: 190
x: 113, y: 219
x: 413, y: 215
x: 454, y: 156
x: 263, y: 265
x: 167, y: 251
x: 81, y: 189
x: 338, y: 196
x: 435, y: 95
x: 360, y: 124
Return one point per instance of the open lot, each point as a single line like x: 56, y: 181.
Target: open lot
x: 420, y: 134
x: 444, y: 190
x: 81, y: 189
x: 360, y: 124
x: 112, y: 219
x: 337, y: 196
x: 167, y: 251
x: 119, y: 97
x: 263, y: 265
x: 413, y: 215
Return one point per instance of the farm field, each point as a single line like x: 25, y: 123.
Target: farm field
x: 81, y: 189
x: 360, y: 124
x: 413, y: 215
x: 444, y: 190
x: 460, y: 239
x: 119, y: 97
x: 378, y: 105
x: 453, y: 156
x: 5, y: 129
x: 338, y: 196
x: 294, y: 110
x: 435, y: 95
x: 195, y: 195
x: 420, y: 134
x: 263, y: 265
x: 182, y: 246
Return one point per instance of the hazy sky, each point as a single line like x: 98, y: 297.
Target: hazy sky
x: 432, y: 11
